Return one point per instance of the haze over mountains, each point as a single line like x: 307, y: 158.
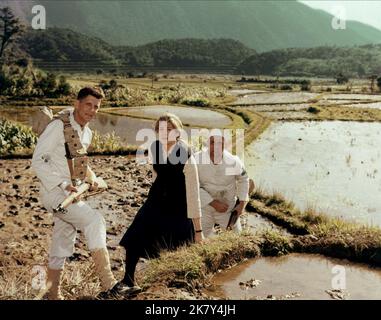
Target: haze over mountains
x: 260, y: 25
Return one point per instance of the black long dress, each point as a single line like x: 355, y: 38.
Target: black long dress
x: 162, y: 221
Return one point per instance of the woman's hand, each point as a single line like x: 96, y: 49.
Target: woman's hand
x: 199, y: 237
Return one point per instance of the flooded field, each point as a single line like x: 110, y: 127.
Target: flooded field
x: 353, y: 96
x: 239, y: 92
x: 373, y: 105
x: 297, y: 276
x: 191, y: 116
x: 275, y: 98
x: 333, y: 166
x: 279, y: 107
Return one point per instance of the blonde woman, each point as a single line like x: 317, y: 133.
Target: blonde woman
x: 171, y: 215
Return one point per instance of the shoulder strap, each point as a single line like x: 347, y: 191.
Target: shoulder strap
x: 76, y: 154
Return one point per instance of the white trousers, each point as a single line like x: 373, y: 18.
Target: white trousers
x: 210, y: 217
x: 79, y: 216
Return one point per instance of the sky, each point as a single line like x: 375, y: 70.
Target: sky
x: 368, y: 12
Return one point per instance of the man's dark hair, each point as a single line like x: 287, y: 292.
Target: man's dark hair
x: 90, y: 91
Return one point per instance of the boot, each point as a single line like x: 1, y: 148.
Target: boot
x: 251, y: 186
x: 110, y: 287
x: 103, y: 269
x: 53, y: 283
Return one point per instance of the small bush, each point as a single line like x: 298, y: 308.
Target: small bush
x: 63, y: 88
x: 342, y: 79
x: 313, y: 110
x: 15, y: 138
x: 196, y: 102
x: 379, y: 83
x: 305, y: 85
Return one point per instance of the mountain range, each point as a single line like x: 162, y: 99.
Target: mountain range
x: 259, y: 25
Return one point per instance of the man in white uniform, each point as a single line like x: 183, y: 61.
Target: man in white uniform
x: 223, y: 179
x: 51, y: 164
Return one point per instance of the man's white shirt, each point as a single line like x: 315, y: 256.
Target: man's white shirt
x: 224, y: 181
x: 49, y: 160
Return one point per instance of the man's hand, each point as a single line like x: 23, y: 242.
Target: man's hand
x: 94, y: 187
x: 219, y: 206
x: 240, y: 207
x: 71, y: 189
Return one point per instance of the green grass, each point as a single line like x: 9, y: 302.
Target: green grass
x: 16, y: 139
x: 320, y: 233
x: 109, y: 144
x: 191, y: 266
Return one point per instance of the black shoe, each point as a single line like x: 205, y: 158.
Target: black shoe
x: 120, y: 290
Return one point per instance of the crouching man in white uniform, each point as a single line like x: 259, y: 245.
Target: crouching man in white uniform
x: 52, y: 168
x: 223, y: 179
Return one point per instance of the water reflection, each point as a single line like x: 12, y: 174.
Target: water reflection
x: 310, y: 276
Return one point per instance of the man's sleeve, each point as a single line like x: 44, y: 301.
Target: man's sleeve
x: 42, y: 164
x: 242, y: 182
x: 205, y: 197
x: 192, y: 186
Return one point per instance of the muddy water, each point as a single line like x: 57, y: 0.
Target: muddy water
x: 334, y: 166
x: 275, y: 97
x: 296, y: 276
x: 124, y: 127
x: 353, y: 96
x: 191, y: 116
x: 373, y: 105
x: 239, y: 92
x: 279, y: 107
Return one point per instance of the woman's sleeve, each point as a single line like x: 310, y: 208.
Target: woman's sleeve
x: 192, y: 186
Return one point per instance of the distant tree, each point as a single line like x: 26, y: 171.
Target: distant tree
x: 47, y: 84
x: 379, y: 83
x: 113, y: 84
x: 305, y: 85
x: 23, y: 62
x: 372, y: 79
x: 63, y: 87
x: 341, y: 79
x: 10, y: 28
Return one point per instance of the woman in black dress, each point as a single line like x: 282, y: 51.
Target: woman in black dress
x: 171, y: 215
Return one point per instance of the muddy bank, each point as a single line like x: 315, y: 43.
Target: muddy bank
x: 25, y: 226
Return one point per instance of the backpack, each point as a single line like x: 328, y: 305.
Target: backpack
x: 44, y: 116
x: 76, y: 154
